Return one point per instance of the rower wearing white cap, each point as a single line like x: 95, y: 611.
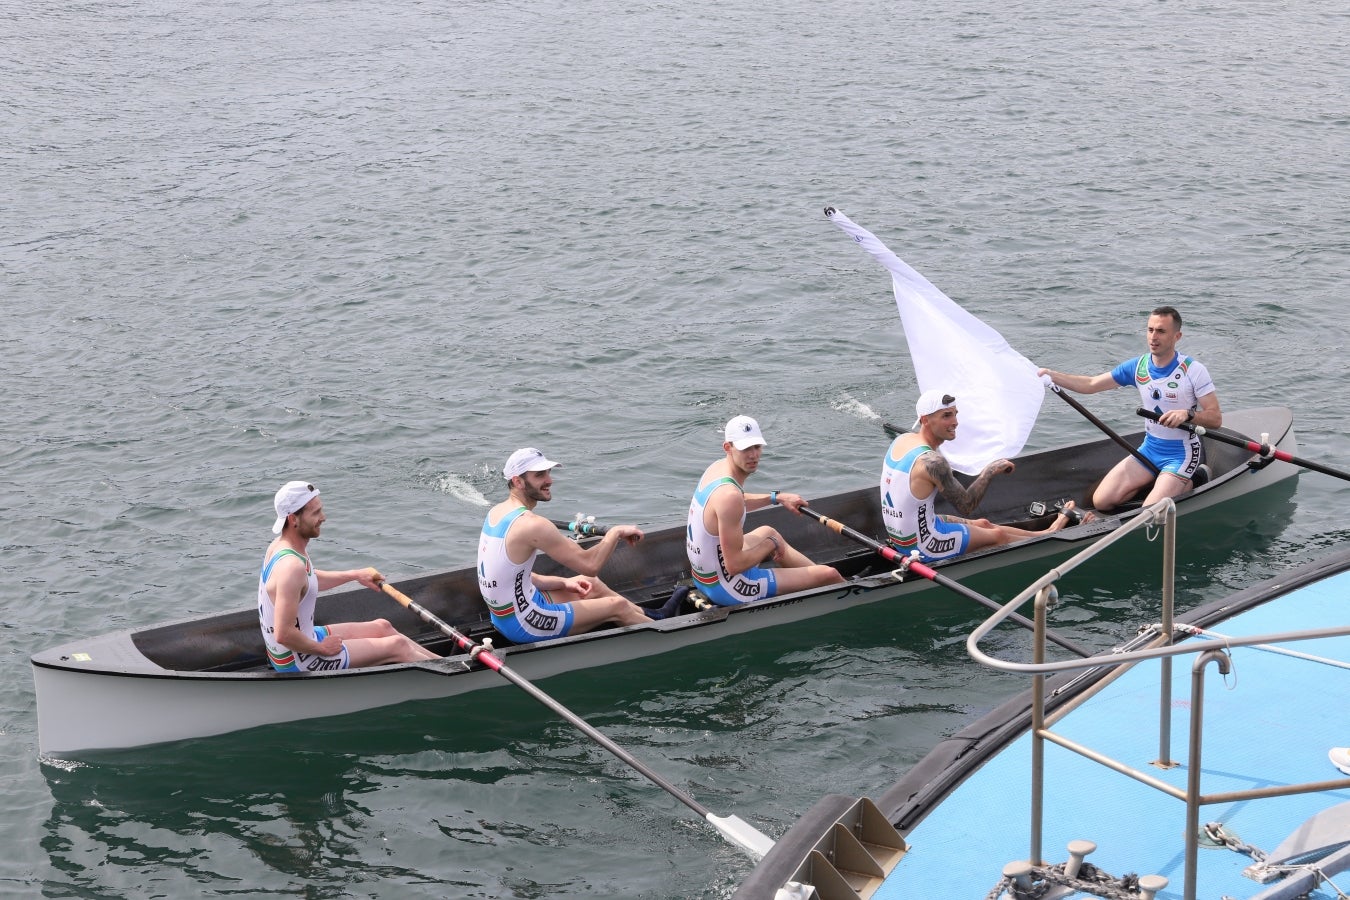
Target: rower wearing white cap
x: 729, y: 564
x: 527, y: 606
x: 288, y: 589
x: 914, y: 472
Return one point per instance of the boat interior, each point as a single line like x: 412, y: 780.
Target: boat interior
x: 648, y: 573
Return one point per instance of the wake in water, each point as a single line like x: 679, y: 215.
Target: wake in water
x: 459, y: 487
x: 855, y: 407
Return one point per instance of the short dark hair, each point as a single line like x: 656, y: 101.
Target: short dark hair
x: 1168, y: 311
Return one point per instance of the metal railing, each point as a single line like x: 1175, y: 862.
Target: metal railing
x: 1158, y: 646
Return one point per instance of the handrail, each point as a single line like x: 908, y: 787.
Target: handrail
x: 1149, y: 516
x: 1206, y: 652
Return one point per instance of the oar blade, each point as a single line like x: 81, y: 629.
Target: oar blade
x: 741, y: 833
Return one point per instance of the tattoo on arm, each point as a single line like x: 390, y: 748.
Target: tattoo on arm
x: 965, y: 499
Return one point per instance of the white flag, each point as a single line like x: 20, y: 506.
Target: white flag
x: 998, y: 393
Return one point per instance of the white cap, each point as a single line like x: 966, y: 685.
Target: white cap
x: 291, y: 498
x: 743, y: 432
x: 526, y: 459
x: 929, y: 403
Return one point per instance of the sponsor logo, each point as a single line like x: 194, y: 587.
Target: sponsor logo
x: 319, y: 664
x: 722, y: 564
x: 540, y: 620
x: 747, y: 588
x: 1173, y: 385
x: 930, y: 546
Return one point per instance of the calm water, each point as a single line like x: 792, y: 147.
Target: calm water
x: 379, y: 246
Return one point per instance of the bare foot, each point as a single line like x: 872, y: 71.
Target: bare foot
x: 1067, y: 516
x: 1070, y: 514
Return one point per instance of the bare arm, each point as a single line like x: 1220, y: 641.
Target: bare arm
x: 1209, y: 415
x: 787, y: 499
x: 532, y: 532
x: 737, y: 555
x: 369, y: 577
x: 965, y: 499
x: 1081, y: 384
x: 287, y: 586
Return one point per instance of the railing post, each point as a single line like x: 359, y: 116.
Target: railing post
x: 1194, y: 762
x: 1044, y: 597
x: 1169, y: 576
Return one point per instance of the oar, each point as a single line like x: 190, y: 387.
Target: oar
x: 733, y: 828
x: 581, y: 526
x: 1247, y: 443
x: 1106, y: 429
x: 910, y: 564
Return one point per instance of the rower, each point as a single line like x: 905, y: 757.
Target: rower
x: 914, y: 472
x: 527, y: 606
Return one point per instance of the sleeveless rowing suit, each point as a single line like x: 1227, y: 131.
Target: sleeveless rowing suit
x: 1178, y: 385
x: 520, y: 611
x: 911, y: 521
x: 707, y: 563
x: 282, y: 658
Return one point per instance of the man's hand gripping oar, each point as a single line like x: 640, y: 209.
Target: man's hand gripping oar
x: 908, y: 564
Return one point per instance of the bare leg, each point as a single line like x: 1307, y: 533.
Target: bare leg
x: 1167, y: 485
x: 596, y: 611
x: 601, y: 607
x: 377, y: 643
x: 794, y: 572
x: 1121, y: 483
x: 801, y: 578
x: 997, y: 535
x: 789, y: 557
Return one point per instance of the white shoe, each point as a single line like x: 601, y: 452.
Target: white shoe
x: 1340, y: 758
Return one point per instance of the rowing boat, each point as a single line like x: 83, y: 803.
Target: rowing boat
x: 205, y: 676
x: 1120, y: 775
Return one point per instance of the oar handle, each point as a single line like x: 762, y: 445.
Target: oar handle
x: 1237, y: 441
x: 1105, y: 429
x: 581, y: 526
x: 839, y: 527
x: 1265, y: 450
x: 912, y: 564
x: 476, y: 651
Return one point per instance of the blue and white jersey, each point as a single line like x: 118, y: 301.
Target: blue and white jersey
x: 283, y: 658
x: 708, y: 565
x: 911, y: 521
x: 1178, y: 385
x: 519, y: 611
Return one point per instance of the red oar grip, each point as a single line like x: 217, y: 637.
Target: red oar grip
x: 923, y: 571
